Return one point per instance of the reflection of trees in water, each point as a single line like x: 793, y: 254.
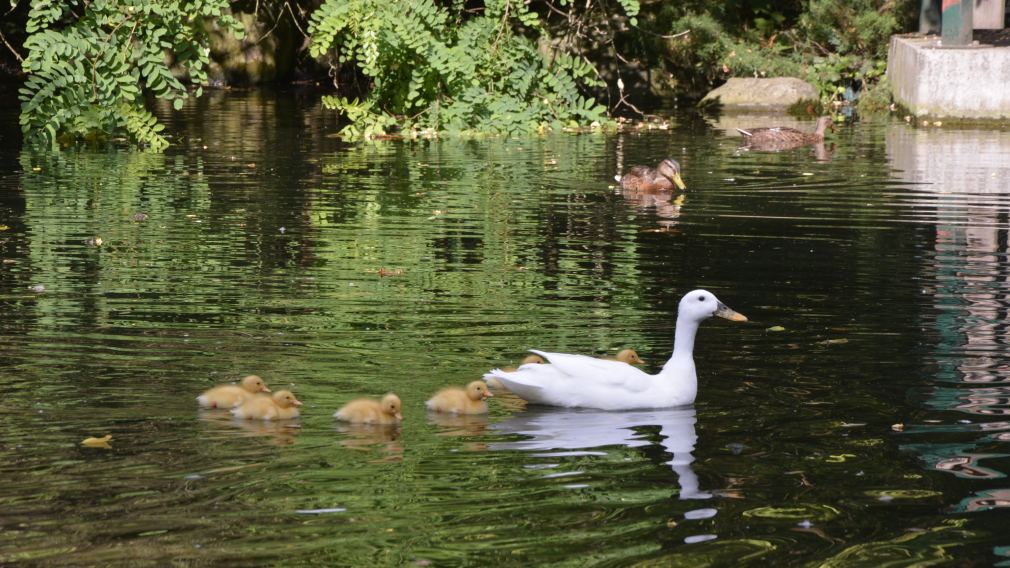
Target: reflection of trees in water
x: 969, y: 270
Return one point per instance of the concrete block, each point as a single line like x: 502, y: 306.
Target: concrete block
x: 969, y: 83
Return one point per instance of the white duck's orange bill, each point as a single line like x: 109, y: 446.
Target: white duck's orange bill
x: 725, y: 312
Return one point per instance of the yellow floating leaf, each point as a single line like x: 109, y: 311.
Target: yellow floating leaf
x: 102, y: 442
x: 4, y: 227
x: 776, y: 328
x: 839, y: 458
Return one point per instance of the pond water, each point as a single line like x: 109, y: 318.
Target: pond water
x: 871, y: 430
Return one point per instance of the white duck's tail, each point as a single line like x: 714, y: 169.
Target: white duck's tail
x: 516, y: 383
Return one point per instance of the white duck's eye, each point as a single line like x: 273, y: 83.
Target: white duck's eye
x: 701, y: 298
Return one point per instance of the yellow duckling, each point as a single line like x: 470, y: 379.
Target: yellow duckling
x: 230, y: 396
x: 281, y: 406
x: 629, y: 356
x: 459, y: 401
x: 371, y: 411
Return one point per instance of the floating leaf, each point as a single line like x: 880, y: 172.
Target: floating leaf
x: 776, y: 328
x: 796, y: 512
x: 102, y: 442
x: 839, y: 458
x: 903, y: 493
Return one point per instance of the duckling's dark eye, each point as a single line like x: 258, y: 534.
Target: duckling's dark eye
x: 701, y: 298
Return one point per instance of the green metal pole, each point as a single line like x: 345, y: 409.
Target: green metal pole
x: 956, y: 21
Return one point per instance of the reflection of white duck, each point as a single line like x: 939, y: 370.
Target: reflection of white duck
x: 580, y: 381
x: 587, y: 431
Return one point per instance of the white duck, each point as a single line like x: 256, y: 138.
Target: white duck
x: 581, y: 381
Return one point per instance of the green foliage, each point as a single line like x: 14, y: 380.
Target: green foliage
x: 709, y: 54
x: 840, y: 46
x: 855, y: 27
x: 436, y: 69
x: 89, y: 66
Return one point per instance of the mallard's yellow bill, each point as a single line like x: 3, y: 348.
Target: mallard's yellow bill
x: 678, y: 181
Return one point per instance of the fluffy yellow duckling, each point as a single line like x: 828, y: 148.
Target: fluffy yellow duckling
x: 460, y: 401
x: 230, y: 396
x: 629, y: 356
x: 281, y: 406
x: 371, y: 411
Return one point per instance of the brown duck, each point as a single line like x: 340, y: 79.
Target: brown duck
x: 644, y: 178
x: 782, y: 138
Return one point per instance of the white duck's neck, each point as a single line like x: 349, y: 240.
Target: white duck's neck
x: 683, y: 337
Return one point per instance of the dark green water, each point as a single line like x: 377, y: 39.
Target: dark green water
x: 339, y: 270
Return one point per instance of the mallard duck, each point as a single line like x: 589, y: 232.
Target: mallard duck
x: 230, y: 396
x: 281, y: 406
x: 581, y: 381
x: 629, y: 356
x: 459, y: 401
x: 371, y: 411
x: 783, y: 138
x: 644, y: 178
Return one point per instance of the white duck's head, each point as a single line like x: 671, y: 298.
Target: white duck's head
x: 699, y: 305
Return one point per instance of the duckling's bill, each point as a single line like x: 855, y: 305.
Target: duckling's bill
x: 723, y: 311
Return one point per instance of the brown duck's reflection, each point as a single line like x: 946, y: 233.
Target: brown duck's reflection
x: 664, y: 202
x: 280, y: 432
x: 371, y: 437
x: 586, y: 431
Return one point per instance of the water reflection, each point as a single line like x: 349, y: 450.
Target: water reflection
x: 384, y: 438
x: 280, y: 432
x: 963, y: 174
x: 985, y: 500
x: 664, y: 204
x: 584, y: 431
x: 459, y: 424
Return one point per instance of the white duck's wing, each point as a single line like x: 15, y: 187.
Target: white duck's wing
x: 592, y: 372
